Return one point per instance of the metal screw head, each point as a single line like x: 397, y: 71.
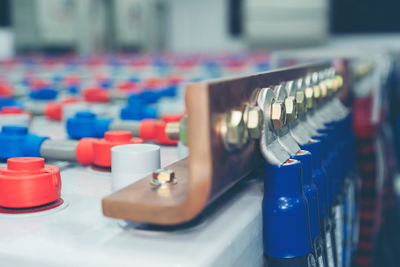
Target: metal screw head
x: 234, y: 130
x: 309, y: 92
x: 278, y: 115
x: 291, y: 109
x: 339, y: 80
x: 300, y: 102
x: 254, y: 119
x: 162, y: 176
x: 172, y: 130
x: 316, y: 93
x: 324, y: 89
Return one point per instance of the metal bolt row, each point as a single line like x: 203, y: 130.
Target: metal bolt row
x: 239, y: 125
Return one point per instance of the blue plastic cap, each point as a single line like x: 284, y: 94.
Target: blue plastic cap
x: 310, y: 190
x: 14, y: 130
x: 169, y: 91
x: 323, y: 139
x: 101, y: 126
x: 86, y: 124
x: 32, y: 145
x: 315, y: 148
x: 105, y: 83
x: 85, y: 114
x: 44, y: 94
x: 73, y: 89
x: 16, y: 142
x: 318, y: 176
x: 138, y: 113
x: 286, y: 226
x: 149, y: 96
x: 8, y: 101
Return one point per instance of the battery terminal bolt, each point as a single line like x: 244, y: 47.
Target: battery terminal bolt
x: 163, y: 176
x: 278, y: 115
x: 291, y: 109
x: 233, y: 130
x: 254, y: 119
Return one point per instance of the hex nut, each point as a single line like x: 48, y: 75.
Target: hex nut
x: 300, y: 102
x: 308, y: 92
x: 172, y: 129
x: 324, y: 89
x: 254, y: 118
x: 163, y: 176
x: 235, y: 134
x: 291, y: 109
x: 278, y: 115
x: 316, y: 93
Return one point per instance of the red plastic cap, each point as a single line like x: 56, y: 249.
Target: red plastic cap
x: 25, y: 164
x: 96, y: 95
x: 11, y: 110
x: 53, y: 110
x: 27, y: 182
x: 102, y: 147
x: 118, y: 136
x: 84, y: 151
x: 148, y: 129
x: 6, y: 90
x: 172, y: 117
x: 161, y: 136
x: 154, y: 130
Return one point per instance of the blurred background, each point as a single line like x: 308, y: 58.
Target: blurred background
x: 90, y: 26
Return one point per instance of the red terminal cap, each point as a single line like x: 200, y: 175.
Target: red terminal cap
x: 154, y: 130
x: 84, y: 151
x: 53, y: 110
x: 172, y: 118
x: 5, y: 90
x: 162, y: 137
x: 128, y: 86
x: 147, y: 129
x: 27, y: 182
x: 11, y: 110
x: 102, y: 147
x: 96, y: 95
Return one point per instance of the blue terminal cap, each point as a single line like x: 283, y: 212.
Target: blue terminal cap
x: 137, y: 113
x: 8, y: 101
x: 15, y: 141
x: 73, y: 89
x: 335, y: 171
x: 319, y: 177
x: 286, y: 226
x: 43, y: 94
x: 105, y: 83
x: 170, y: 91
x: 310, y: 190
x: 86, y: 124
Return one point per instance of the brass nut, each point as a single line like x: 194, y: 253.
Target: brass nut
x: 254, y: 118
x: 163, y: 176
x: 300, y: 102
x: 316, y: 93
x: 234, y: 130
x: 172, y: 129
x: 278, y: 115
x: 291, y: 109
x: 339, y: 80
x: 309, y: 92
x: 324, y: 89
